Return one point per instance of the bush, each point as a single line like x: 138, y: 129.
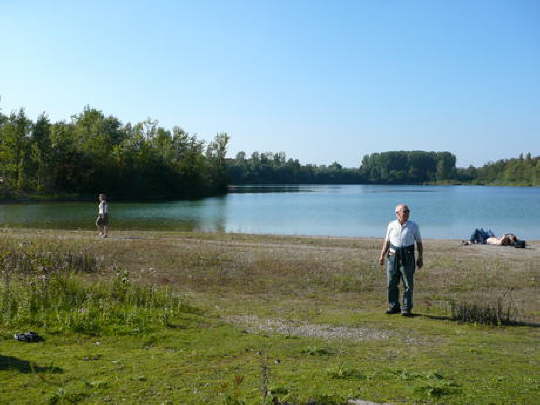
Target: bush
x: 498, y: 311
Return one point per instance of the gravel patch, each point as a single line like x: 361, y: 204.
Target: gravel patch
x: 255, y: 325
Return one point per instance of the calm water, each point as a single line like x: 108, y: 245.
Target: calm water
x: 441, y: 211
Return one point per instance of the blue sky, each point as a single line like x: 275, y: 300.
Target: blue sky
x: 322, y: 80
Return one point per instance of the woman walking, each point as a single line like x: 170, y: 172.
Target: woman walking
x: 102, y: 221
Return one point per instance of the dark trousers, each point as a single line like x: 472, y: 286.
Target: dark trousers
x: 400, y: 266
x: 479, y: 236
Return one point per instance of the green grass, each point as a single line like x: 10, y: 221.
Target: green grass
x: 196, y: 354
x: 44, y: 289
x: 204, y: 360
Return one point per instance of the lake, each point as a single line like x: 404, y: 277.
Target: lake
x: 334, y: 210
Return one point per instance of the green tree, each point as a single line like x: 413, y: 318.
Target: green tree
x: 446, y: 166
x: 15, y: 149
x: 216, y: 152
x: 41, y: 151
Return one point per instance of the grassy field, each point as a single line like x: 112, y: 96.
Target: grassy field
x: 192, y: 318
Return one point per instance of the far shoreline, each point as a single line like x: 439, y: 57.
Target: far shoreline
x: 45, y: 198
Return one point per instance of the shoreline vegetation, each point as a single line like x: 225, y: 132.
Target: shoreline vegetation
x: 94, y: 153
x: 394, y: 167
x: 222, y: 318
x: 22, y: 197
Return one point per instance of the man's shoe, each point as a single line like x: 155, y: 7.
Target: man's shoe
x: 392, y: 311
x: 406, y: 313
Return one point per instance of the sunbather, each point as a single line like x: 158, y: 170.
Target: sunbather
x: 481, y: 237
x: 505, y: 240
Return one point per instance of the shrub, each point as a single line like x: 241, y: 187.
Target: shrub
x: 498, y: 311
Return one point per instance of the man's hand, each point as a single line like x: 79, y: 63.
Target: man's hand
x: 384, y: 251
x: 419, y: 262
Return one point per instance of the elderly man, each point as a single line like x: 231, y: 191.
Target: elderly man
x: 398, y: 247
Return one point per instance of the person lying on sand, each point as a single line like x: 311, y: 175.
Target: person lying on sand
x: 506, y: 239
x: 481, y: 237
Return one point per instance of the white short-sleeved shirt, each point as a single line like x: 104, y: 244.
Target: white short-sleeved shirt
x: 103, y: 208
x: 403, y: 235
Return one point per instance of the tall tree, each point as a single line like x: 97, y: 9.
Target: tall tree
x: 41, y: 151
x: 15, y: 149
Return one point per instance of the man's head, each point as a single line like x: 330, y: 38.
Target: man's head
x: 402, y: 213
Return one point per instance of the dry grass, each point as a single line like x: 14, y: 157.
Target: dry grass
x: 276, y: 272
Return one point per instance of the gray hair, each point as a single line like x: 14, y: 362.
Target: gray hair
x: 401, y: 206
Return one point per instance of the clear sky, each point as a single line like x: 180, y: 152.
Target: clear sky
x: 321, y: 80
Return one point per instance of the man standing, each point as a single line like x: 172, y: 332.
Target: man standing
x: 398, y: 246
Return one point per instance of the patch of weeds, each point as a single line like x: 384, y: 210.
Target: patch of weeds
x: 433, y: 375
x: 438, y: 389
x: 343, y: 373
x: 96, y: 384
x: 233, y: 398
x: 431, y: 383
x: 486, y: 310
x: 279, y: 390
x: 408, y: 376
x: 327, y: 399
x: 278, y: 396
x: 92, y: 357
x: 317, y: 351
x: 229, y: 400
x: 149, y: 341
x: 264, y: 376
x: 59, y: 299
x: 61, y: 396
x: 404, y: 374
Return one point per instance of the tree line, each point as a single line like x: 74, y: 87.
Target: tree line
x: 394, y: 167
x: 275, y: 168
x: 95, y: 153
x: 520, y: 171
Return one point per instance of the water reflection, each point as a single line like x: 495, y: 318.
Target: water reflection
x: 441, y: 211
x: 270, y: 188
x: 208, y: 215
